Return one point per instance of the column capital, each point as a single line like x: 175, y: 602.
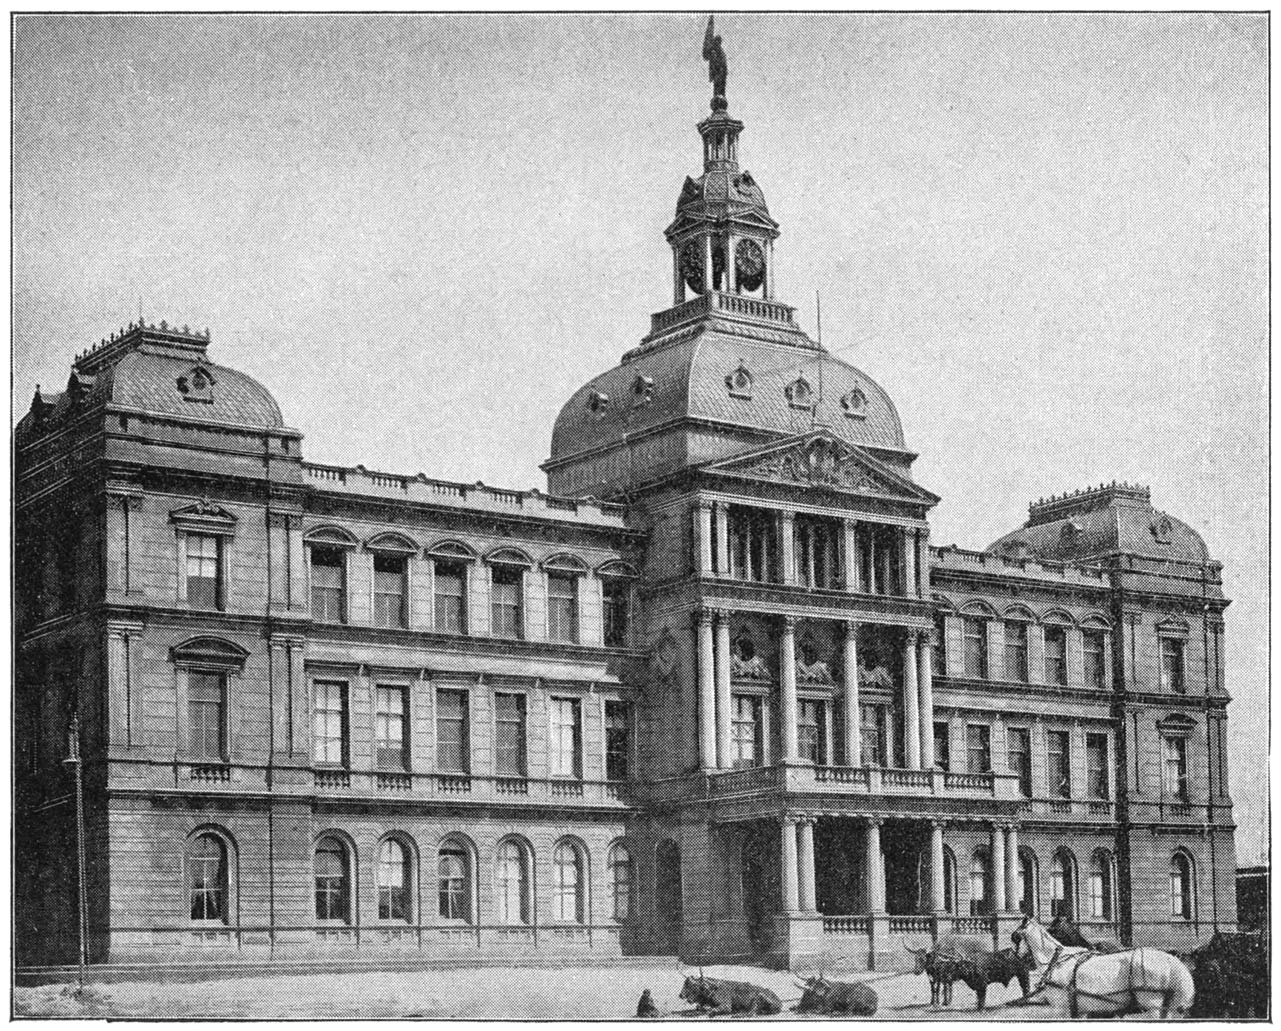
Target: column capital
x: 703, y: 504
x: 939, y: 824
x: 788, y: 819
x: 874, y: 821
x: 851, y: 626
x: 788, y: 623
x: 702, y: 617
x: 721, y: 616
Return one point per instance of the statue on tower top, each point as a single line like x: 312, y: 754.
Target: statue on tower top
x: 717, y: 66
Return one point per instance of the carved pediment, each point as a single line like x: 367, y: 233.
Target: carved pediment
x: 204, y: 517
x: 818, y: 460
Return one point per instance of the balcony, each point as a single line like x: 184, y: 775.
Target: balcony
x: 471, y: 788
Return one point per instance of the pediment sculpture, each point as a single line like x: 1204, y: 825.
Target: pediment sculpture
x: 875, y: 676
x: 816, y: 672
x: 749, y: 669
x: 819, y: 462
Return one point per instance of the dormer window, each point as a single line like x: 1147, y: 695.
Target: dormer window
x: 799, y: 393
x: 854, y: 404
x: 197, y: 384
x: 642, y: 391
x: 740, y: 382
x: 598, y: 404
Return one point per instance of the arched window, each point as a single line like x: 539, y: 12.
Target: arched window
x: 453, y: 880
x: 1062, y: 886
x: 208, y: 879
x: 1101, y: 885
x: 1027, y: 884
x: 949, y: 880
x: 568, y: 886
x: 978, y: 884
x: 513, y: 883
x: 1181, y: 896
x: 333, y: 880
x: 620, y: 881
x: 395, y: 879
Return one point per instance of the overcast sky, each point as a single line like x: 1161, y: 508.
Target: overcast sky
x: 1045, y: 235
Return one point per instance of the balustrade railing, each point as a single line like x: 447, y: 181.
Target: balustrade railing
x: 906, y: 778
x: 972, y: 924
x: 841, y: 774
x: 845, y: 925
x: 911, y: 924
x: 968, y: 781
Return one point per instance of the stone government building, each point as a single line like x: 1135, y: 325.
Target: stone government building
x: 713, y: 694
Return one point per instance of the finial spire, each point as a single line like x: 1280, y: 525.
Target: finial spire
x: 717, y: 66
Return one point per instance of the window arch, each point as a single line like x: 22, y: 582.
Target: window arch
x: 395, y: 881
x: 569, y: 883
x: 511, y: 870
x: 1182, y: 891
x: 1102, y: 886
x: 978, y: 884
x: 208, y: 863
x: 454, y: 880
x: 333, y: 866
x: 1063, y: 885
x: 949, y: 880
x: 1027, y: 882
x: 622, y: 880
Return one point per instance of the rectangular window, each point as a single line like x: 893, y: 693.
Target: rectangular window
x: 389, y: 590
x: 1095, y: 657
x: 975, y: 647
x: 745, y: 730
x: 812, y: 731
x: 873, y: 732
x: 1059, y: 763
x: 1016, y: 651
x: 562, y: 607
x: 451, y: 605
x: 203, y: 558
x: 390, y: 740
x: 1176, y: 768
x: 509, y: 735
x: 978, y: 748
x: 206, y: 714
x: 1172, y: 665
x: 567, y: 737
x: 1055, y: 655
x: 329, y: 722
x: 452, y: 752
x: 328, y: 585
x: 1019, y: 745
x: 506, y: 598
x: 942, y: 746
x: 938, y: 645
x: 618, y: 740
x: 1096, y: 765
x: 617, y: 596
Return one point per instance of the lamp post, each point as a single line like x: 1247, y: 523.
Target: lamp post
x: 73, y: 760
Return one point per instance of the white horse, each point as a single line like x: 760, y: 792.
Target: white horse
x: 1093, y: 984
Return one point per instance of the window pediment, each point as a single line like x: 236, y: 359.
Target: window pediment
x: 330, y: 537
x: 204, y: 517
x: 565, y: 563
x: 618, y: 568
x: 1173, y: 627
x: 452, y: 551
x: 509, y: 557
x: 393, y: 543
x: 209, y: 651
x: 1177, y: 723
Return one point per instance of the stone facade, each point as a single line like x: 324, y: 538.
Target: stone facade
x: 742, y: 708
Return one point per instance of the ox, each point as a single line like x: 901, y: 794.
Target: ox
x: 719, y: 997
x: 836, y: 997
x: 940, y: 963
x: 1000, y: 967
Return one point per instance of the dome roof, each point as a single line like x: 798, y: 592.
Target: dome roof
x: 725, y: 187
x: 1102, y: 521
x: 149, y: 380
x: 727, y: 379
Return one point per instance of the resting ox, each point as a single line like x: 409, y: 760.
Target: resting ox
x: 940, y: 962
x: 836, y: 997
x: 719, y: 997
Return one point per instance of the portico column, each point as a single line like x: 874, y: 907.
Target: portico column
x: 849, y: 554
x: 787, y: 685
x: 787, y: 546
x: 926, y: 686
x: 1012, y: 894
x: 923, y: 562
x: 703, y: 531
x: 722, y: 690
x: 809, y: 899
x: 908, y: 586
x: 871, y: 560
x: 911, y: 716
x: 722, y: 538
x: 885, y: 555
x: 791, y: 886
x: 707, y: 263
x: 678, y: 281
x: 853, y: 738
x: 998, y: 865
x: 769, y: 272
x: 706, y: 691
x: 731, y: 273
x: 938, y: 890
x: 875, y: 868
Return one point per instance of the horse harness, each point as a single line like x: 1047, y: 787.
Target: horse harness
x: 1129, y: 992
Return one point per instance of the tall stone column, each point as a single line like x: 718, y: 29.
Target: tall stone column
x: 678, y: 281
x: 998, y: 865
x: 722, y: 690
x: 706, y: 691
x: 769, y: 272
x: 787, y: 546
x: 1012, y: 894
x: 911, y: 715
x: 938, y: 890
x: 875, y: 868
x: 805, y: 848
x: 731, y: 273
x: 925, y: 656
x: 787, y: 685
x: 722, y: 538
x: 872, y: 562
x: 703, y: 536
x: 849, y: 554
x: 853, y: 738
x: 886, y: 555
x: 908, y: 586
x: 707, y: 264
x: 791, y: 884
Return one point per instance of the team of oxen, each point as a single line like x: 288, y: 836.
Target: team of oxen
x: 1075, y: 977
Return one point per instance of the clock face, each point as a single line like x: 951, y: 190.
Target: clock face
x: 692, y: 265
x: 749, y: 265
